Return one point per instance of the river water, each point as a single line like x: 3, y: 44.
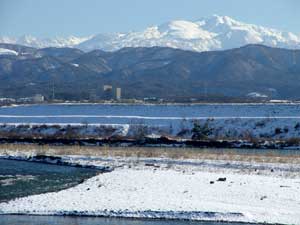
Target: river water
x: 148, y: 114
x: 19, y: 179
x: 59, y: 220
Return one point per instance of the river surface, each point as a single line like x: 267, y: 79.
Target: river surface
x: 153, y: 114
x: 56, y: 220
x: 19, y: 179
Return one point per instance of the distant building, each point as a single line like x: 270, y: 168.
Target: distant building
x: 7, y: 101
x: 118, y: 93
x: 24, y: 100
x: 38, y: 98
x: 107, y: 92
x: 150, y: 99
x: 107, y: 87
x: 153, y: 99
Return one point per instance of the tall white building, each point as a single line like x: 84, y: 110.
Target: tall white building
x: 118, y: 93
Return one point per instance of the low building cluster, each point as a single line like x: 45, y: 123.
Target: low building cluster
x: 38, y: 98
x: 109, y: 92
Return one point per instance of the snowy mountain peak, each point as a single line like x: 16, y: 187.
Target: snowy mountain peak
x: 230, y: 20
x: 216, y: 20
x: 223, y: 20
x: 212, y: 33
x: 182, y: 29
x: 32, y: 41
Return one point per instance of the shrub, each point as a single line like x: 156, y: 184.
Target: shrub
x: 85, y: 123
x: 250, y: 137
x: 200, y: 132
x: 171, y: 129
x: 140, y: 132
x: 183, y: 132
x: 184, y: 129
x: 278, y: 130
x: 260, y: 123
x: 293, y: 141
x: 71, y: 132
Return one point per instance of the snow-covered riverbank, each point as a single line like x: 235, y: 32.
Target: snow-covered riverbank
x: 276, y: 128
x: 244, y: 123
x: 181, y: 190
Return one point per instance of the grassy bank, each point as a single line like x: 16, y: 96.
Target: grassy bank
x: 247, y: 155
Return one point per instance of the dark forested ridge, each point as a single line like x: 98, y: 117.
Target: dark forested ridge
x: 71, y: 74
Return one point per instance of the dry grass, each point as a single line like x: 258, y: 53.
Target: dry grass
x: 267, y: 156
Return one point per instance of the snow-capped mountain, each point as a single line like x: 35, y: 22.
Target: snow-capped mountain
x: 31, y: 41
x: 214, y: 33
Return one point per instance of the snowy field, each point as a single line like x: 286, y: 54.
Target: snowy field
x: 252, y: 192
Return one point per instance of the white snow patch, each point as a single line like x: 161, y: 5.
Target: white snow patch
x: 256, y: 95
x: 4, y: 51
x: 75, y: 64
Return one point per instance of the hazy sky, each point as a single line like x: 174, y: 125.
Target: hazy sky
x: 48, y: 18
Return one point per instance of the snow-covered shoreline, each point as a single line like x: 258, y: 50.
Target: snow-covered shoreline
x: 171, y: 194
x: 141, y: 189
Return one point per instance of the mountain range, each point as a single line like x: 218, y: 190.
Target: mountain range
x: 207, y: 34
x: 142, y: 72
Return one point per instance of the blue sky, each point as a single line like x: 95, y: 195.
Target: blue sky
x: 49, y: 18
